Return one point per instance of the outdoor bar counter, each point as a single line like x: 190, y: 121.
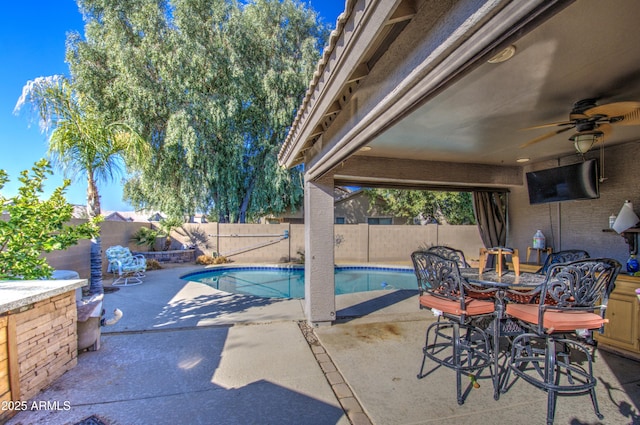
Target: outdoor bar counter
x: 38, y: 337
x: 622, y: 333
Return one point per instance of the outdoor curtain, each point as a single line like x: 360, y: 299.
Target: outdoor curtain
x: 490, y: 209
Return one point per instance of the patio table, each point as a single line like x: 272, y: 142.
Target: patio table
x: 500, y: 325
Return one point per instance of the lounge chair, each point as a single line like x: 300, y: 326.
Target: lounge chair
x: 129, y: 268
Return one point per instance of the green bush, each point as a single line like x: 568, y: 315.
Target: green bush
x: 146, y: 237
x: 34, y: 226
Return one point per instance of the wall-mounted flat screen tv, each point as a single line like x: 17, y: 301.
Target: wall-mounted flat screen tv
x: 566, y: 183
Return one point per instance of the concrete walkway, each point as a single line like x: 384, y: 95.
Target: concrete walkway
x: 185, y: 353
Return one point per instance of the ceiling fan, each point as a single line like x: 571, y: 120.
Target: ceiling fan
x: 591, y: 122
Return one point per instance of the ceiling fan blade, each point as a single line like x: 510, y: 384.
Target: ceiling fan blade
x: 544, y: 137
x: 551, y: 124
x: 606, y: 129
x: 616, y: 109
x: 632, y: 118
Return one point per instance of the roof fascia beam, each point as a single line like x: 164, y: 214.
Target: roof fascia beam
x: 360, y: 169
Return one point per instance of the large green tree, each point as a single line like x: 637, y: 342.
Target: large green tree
x: 213, y: 85
x: 83, y: 143
x: 444, y: 207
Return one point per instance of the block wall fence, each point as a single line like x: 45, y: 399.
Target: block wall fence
x: 266, y: 243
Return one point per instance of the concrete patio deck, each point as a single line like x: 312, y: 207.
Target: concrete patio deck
x: 185, y: 353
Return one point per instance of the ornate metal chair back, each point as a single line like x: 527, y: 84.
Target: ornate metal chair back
x: 579, y: 285
x: 451, y: 254
x: 437, y: 275
x: 565, y: 256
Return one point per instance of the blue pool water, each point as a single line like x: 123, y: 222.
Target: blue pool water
x: 288, y: 282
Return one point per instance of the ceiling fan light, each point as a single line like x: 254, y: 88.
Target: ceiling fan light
x: 583, y: 142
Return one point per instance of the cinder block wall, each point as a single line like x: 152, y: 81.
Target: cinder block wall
x: 47, y: 342
x: 264, y: 243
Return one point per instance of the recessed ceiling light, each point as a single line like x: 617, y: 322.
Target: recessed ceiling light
x: 522, y: 160
x: 504, y: 55
x: 365, y: 149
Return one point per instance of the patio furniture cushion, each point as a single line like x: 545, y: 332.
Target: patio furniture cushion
x: 556, y: 321
x: 473, y: 307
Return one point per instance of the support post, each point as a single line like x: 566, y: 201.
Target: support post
x: 319, y: 282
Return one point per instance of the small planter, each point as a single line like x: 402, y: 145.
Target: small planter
x: 171, y: 256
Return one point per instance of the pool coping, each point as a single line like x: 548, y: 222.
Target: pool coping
x: 269, y: 266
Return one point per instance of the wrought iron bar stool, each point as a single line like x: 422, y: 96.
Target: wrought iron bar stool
x: 456, y: 342
x: 566, y: 256
x: 500, y: 252
x: 545, y: 355
x: 451, y: 254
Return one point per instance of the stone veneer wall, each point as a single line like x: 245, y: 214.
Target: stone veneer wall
x: 173, y: 256
x: 47, y: 342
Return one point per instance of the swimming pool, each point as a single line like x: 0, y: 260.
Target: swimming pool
x: 288, y: 281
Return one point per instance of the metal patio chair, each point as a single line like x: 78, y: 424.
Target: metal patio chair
x: 455, y: 342
x: 129, y: 268
x: 451, y: 254
x: 565, y: 256
x: 545, y: 356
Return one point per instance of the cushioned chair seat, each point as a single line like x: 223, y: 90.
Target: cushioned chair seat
x: 556, y: 321
x: 474, y: 306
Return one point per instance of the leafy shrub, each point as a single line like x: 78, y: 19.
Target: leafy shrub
x: 208, y: 260
x: 301, y: 257
x: 205, y: 260
x: 167, y: 225
x: 153, y: 265
x: 221, y: 259
x: 36, y: 226
x: 146, y: 237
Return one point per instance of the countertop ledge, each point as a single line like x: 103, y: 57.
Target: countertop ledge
x: 19, y: 293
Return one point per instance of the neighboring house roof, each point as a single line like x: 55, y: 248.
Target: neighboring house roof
x: 198, y: 218
x: 343, y: 194
x: 79, y: 211
x: 138, y: 216
x: 116, y: 216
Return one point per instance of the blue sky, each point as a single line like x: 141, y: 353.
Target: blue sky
x: 32, y: 44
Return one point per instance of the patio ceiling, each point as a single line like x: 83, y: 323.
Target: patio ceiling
x: 476, y: 115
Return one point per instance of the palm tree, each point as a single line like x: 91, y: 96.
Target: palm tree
x: 82, y: 143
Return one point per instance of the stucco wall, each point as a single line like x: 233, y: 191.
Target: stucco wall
x: 580, y: 224
x: 77, y: 257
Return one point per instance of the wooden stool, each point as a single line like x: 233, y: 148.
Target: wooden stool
x: 538, y: 250
x: 499, y: 251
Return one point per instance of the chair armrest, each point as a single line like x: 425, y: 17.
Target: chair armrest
x: 141, y: 258
x: 115, y: 265
x: 523, y: 296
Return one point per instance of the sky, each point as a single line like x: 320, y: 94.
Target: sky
x: 32, y: 44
